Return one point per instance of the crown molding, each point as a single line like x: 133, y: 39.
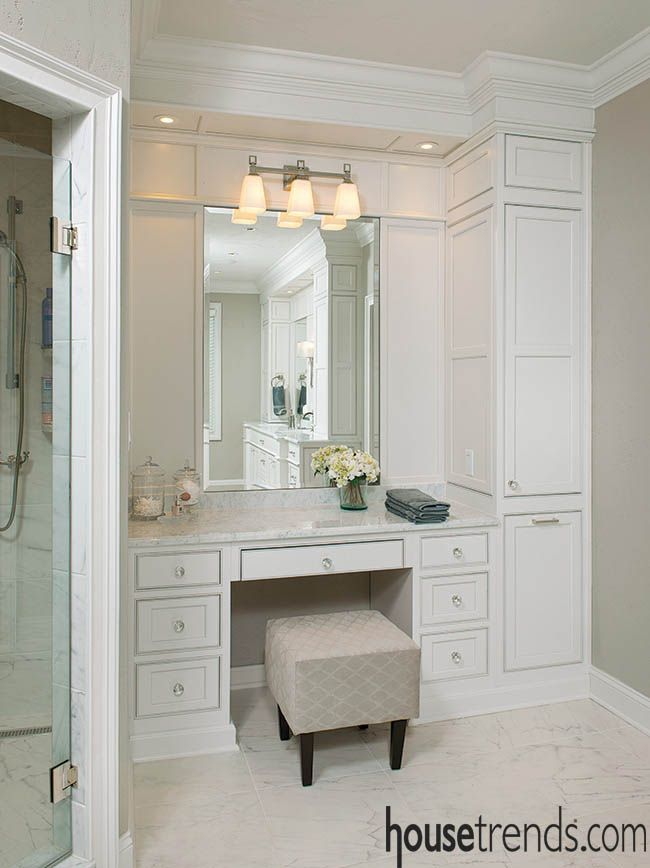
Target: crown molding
x: 306, y: 255
x: 495, y: 88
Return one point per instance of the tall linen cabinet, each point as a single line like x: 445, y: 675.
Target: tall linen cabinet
x: 517, y: 394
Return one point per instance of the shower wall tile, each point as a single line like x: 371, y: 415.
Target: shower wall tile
x: 79, y: 740
x: 81, y: 397
x: 80, y: 830
x: 79, y: 617
x: 7, y: 615
x: 61, y: 469
x: 80, y: 484
x: 80, y: 286
x: 33, y: 616
x: 61, y: 607
x: 61, y: 397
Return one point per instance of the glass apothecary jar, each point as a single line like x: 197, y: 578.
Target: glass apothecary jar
x: 187, y: 482
x: 148, y: 491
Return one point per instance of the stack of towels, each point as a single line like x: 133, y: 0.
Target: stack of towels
x: 416, y: 506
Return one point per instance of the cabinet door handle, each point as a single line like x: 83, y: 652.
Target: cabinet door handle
x: 327, y: 563
x: 456, y: 657
x: 178, y: 626
x: 458, y: 552
x: 513, y: 485
x: 552, y: 519
x: 179, y: 572
x: 457, y: 600
x: 178, y: 689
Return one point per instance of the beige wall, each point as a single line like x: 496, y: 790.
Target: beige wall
x: 240, y: 380
x: 621, y: 395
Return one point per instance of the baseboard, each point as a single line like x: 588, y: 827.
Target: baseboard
x: 247, y: 676
x: 621, y: 700
x: 126, y: 852
x: 182, y: 743
x: 435, y: 705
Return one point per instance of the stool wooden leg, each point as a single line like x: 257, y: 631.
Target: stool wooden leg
x: 307, y: 758
x: 285, y: 732
x: 363, y: 726
x: 397, y: 734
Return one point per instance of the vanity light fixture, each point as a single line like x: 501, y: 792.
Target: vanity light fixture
x: 296, y: 179
x: 306, y: 350
x: 243, y: 218
x: 329, y: 223
x: 289, y: 221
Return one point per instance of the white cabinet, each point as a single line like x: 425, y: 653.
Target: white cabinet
x: 543, y: 590
x: 543, y: 359
x: 543, y: 164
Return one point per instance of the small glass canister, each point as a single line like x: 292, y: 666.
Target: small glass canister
x: 148, y: 491
x: 188, y: 486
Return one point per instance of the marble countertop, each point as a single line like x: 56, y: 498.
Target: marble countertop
x: 233, y: 525
x: 283, y: 432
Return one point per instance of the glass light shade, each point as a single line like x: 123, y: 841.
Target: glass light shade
x: 329, y: 223
x: 301, y: 199
x: 346, y: 204
x: 244, y: 218
x: 305, y: 349
x: 252, y: 198
x: 289, y: 221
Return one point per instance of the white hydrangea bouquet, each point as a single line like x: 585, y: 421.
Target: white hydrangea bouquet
x: 350, y: 470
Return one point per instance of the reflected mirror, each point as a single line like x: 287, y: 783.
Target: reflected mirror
x: 290, y: 348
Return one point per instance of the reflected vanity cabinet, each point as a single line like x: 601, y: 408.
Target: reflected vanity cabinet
x: 517, y: 379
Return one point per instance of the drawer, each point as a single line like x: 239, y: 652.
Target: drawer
x: 178, y: 624
x: 169, y: 688
x: 454, y: 655
x: 543, y: 164
x: 264, y: 441
x: 321, y: 559
x: 453, y: 598
x: 293, y: 476
x: 454, y: 551
x: 293, y: 453
x: 176, y: 570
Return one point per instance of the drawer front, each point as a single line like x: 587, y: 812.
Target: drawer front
x: 293, y: 476
x: 454, y: 551
x: 178, y: 624
x: 169, y: 688
x: 321, y: 559
x: 543, y: 164
x: 264, y: 441
x: 454, y: 655
x: 293, y: 453
x: 177, y: 570
x: 453, y: 598
x: 470, y: 176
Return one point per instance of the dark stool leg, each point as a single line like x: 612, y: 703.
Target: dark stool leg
x: 363, y: 726
x: 307, y: 758
x: 397, y: 733
x: 285, y: 732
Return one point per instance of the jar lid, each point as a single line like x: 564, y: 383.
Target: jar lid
x: 186, y: 471
x: 149, y: 468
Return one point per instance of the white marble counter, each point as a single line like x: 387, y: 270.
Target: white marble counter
x: 283, y: 432
x: 232, y: 525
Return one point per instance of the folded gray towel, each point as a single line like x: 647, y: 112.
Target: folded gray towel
x: 279, y: 403
x: 415, y: 500
x: 431, y: 518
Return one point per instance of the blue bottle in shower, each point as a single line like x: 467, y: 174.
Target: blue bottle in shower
x: 46, y: 341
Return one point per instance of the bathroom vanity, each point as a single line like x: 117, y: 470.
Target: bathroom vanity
x: 436, y: 582
x: 276, y: 456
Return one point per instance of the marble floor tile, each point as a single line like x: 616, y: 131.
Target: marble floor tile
x: 632, y: 739
x: 193, y: 780
x: 552, y: 723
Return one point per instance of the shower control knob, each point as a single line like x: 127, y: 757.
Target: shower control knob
x: 179, y: 626
x: 327, y: 563
x: 457, y: 600
x: 178, y: 689
x: 456, y: 657
x: 179, y: 572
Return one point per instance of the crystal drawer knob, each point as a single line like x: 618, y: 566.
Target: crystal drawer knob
x: 456, y: 657
x: 178, y: 689
x: 179, y: 572
x: 179, y: 626
x: 327, y: 563
x: 457, y: 600
x: 513, y: 485
x: 458, y: 552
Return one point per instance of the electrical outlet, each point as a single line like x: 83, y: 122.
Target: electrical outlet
x: 469, y: 462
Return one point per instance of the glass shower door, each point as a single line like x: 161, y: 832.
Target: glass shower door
x: 35, y: 831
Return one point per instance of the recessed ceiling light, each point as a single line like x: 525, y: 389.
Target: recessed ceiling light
x: 427, y: 146
x: 165, y: 119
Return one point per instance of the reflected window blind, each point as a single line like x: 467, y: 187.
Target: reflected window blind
x: 214, y: 370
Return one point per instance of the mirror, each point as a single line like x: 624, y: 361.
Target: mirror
x: 290, y: 348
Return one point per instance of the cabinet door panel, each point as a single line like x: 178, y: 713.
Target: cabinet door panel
x: 543, y: 358
x: 543, y: 590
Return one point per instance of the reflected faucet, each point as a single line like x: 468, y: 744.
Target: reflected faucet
x: 309, y: 416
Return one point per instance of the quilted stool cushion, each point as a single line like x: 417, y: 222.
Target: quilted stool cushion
x: 342, y: 669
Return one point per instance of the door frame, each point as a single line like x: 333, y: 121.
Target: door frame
x: 92, y: 140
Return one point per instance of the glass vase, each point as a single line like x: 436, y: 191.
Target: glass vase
x: 353, y: 495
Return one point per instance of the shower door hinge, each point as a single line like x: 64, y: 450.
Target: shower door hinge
x: 62, y: 778
x: 63, y: 239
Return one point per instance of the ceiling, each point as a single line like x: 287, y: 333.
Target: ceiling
x: 144, y: 116
x: 239, y: 257
x: 434, y: 34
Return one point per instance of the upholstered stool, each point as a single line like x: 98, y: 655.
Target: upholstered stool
x: 344, y: 669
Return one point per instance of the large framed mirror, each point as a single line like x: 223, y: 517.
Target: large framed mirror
x: 290, y: 348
